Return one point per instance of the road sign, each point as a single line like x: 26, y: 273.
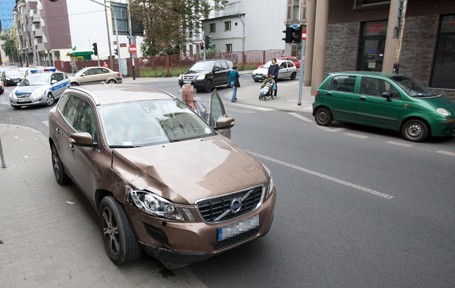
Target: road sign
x: 304, y: 34
x: 132, y: 49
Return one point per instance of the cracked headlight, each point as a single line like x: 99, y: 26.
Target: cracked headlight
x: 271, y: 184
x: 154, y: 205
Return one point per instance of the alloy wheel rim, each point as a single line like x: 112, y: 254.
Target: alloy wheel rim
x: 110, y: 231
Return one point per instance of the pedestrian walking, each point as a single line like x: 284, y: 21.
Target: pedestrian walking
x: 273, y: 70
x: 233, y: 81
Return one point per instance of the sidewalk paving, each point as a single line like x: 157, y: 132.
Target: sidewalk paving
x: 49, y: 235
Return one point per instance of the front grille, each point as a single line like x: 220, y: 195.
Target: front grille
x: 23, y: 95
x: 233, y: 240
x: 211, y: 209
x: 188, y: 77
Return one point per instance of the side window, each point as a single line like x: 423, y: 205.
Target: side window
x: 375, y: 87
x: 283, y: 65
x: 290, y: 64
x: 217, y: 66
x: 62, y: 102
x: 85, y: 120
x: 70, y: 109
x: 343, y: 83
x: 102, y: 71
x: 57, y: 76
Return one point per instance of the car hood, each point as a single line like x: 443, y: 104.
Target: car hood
x: 191, y: 72
x: 261, y: 70
x: 440, y: 102
x: 187, y: 171
x: 26, y: 89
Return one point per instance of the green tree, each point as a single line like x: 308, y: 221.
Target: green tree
x: 9, y: 45
x: 170, y: 24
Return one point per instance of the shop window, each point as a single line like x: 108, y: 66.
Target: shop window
x: 372, y: 46
x: 443, y: 75
x: 228, y: 47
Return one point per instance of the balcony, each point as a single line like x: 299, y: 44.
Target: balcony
x: 40, y: 47
x: 38, y: 33
x: 36, y: 18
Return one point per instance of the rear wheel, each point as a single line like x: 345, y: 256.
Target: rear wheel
x: 323, y: 116
x: 74, y: 84
x: 111, y: 82
x: 293, y: 75
x: 415, y: 130
x: 118, y: 236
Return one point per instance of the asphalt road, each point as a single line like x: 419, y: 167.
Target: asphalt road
x: 356, y: 207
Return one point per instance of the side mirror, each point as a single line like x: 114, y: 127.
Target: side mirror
x: 82, y: 139
x: 388, y: 95
x: 53, y: 81
x: 224, y: 123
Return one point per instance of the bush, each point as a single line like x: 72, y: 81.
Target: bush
x: 161, y: 71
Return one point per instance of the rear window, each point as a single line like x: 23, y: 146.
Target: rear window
x: 342, y: 83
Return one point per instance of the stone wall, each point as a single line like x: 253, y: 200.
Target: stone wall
x: 341, y: 48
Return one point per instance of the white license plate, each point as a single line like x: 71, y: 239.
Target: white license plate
x: 22, y: 100
x: 238, y: 228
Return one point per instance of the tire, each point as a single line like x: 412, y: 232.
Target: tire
x: 415, y: 130
x: 323, y: 116
x: 74, y: 84
x: 50, y: 99
x: 208, y: 86
x: 118, y: 236
x: 111, y: 82
x: 16, y: 107
x: 293, y: 75
x: 57, y: 166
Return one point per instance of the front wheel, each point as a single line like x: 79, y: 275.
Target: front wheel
x: 57, y: 166
x: 118, y: 236
x: 50, y: 99
x: 208, y: 86
x: 323, y: 116
x: 415, y: 130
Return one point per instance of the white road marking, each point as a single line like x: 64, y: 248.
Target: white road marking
x: 399, y: 144
x: 317, y: 174
x: 252, y: 107
x: 357, y: 135
x: 46, y: 123
x: 446, y: 153
x: 304, y: 119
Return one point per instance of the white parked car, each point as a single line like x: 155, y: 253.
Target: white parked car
x: 287, y: 70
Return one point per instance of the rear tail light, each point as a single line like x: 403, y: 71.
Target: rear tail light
x: 316, y: 94
x: 118, y: 74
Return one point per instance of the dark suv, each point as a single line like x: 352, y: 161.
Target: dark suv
x: 207, y: 74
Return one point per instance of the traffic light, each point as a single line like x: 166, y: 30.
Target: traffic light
x: 95, y: 49
x: 287, y: 38
x: 296, y: 34
x: 293, y: 34
x: 207, y: 42
x: 201, y: 45
x: 116, y: 51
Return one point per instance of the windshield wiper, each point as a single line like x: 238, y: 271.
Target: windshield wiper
x: 123, y: 146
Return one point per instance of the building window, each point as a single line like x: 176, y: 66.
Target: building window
x: 228, y: 47
x: 444, y: 61
x: 372, y: 46
x: 227, y: 26
x: 212, y: 27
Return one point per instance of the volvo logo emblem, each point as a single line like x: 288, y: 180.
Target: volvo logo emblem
x: 236, y: 205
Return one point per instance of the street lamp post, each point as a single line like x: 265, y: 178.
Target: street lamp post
x: 115, y: 28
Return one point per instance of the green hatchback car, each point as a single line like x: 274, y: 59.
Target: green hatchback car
x: 389, y: 101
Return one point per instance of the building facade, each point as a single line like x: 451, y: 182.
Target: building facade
x: 246, y: 25
x: 50, y: 31
x: 414, y: 37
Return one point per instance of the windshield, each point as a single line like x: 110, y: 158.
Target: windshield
x: 35, y: 80
x: 13, y: 74
x: 202, y: 66
x: 151, y: 122
x: 414, y: 88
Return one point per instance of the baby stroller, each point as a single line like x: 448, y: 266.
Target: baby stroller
x: 267, y: 89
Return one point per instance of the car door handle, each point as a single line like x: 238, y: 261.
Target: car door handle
x: 57, y: 130
x: 329, y: 94
x: 363, y: 98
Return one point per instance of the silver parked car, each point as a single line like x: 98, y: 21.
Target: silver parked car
x: 95, y: 75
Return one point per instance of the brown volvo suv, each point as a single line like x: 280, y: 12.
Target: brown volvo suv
x: 161, y: 179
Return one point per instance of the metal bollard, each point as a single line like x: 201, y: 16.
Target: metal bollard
x: 1, y: 154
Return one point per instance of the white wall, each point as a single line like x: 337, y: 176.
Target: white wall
x: 88, y: 25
